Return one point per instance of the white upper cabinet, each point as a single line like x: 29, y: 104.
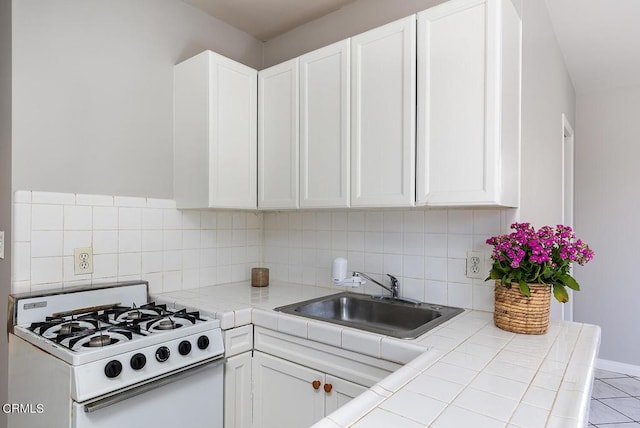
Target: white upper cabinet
x: 278, y: 138
x: 324, y: 127
x: 469, y: 68
x: 215, y: 151
x: 383, y: 94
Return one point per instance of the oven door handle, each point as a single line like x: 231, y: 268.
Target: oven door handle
x: 122, y: 395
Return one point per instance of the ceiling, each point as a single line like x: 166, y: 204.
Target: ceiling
x: 266, y: 19
x: 600, y: 39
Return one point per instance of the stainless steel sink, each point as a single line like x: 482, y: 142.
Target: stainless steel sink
x: 384, y: 316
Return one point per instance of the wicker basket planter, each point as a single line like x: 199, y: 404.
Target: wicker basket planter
x: 521, y: 314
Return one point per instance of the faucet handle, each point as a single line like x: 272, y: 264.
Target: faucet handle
x: 394, y: 280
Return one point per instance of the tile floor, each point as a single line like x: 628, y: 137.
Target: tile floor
x: 615, y: 402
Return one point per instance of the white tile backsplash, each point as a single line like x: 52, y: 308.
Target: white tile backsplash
x: 426, y: 249
x: 132, y: 238
x: 150, y: 238
x: 46, y: 243
x: 77, y: 217
x: 94, y: 200
x: 46, y: 217
x: 105, y: 218
x: 53, y: 198
x: 22, y: 222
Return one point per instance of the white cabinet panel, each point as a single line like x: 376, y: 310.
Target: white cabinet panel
x: 237, y: 392
x: 469, y: 104
x: 278, y: 136
x: 215, y: 125
x: 238, y: 340
x: 284, y: 396
x: 383, y: 115
x: 324, y: 127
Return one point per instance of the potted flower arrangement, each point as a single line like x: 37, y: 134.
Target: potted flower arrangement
x: 527, y: 265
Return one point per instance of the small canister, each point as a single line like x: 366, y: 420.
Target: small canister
x: 259, y: 277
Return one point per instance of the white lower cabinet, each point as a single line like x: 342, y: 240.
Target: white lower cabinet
x: 237, y: 391
x: 288, y: 395
x: 238, y: 345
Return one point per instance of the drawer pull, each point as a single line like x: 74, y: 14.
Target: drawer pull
x: 327, y: 387
x: 316, y: 384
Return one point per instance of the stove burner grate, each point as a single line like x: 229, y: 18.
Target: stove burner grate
x: 105, y: 327
x: 99, y: 338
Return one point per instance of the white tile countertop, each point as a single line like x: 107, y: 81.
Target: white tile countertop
x: 463, y: 373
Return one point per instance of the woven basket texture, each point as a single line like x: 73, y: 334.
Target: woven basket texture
x: 521, y: 314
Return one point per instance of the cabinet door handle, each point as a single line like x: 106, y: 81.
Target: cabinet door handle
x: 327, y: 387
x: 315, y: 384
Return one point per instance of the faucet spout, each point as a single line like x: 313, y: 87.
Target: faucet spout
x: 394, y: 283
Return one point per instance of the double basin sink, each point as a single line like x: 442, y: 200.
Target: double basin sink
x: 382, y: 315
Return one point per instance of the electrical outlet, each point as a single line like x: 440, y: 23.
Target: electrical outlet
x: 475, y: 265
x: 83, y: 260
x: 1, y: 244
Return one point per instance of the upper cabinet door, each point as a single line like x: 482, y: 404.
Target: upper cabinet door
x: 383, y: 88
x: 278, y: 136
x: 469, y: 68
x: 215, y: 151
x: 324, y: 127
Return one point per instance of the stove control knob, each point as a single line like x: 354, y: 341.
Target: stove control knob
x: 113, y: 368
x: 184, y: 347
x: 162, y: 354
x: 203, y: 342
x: 138, y: 361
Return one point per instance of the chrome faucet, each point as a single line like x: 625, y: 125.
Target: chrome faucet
x: 394, y: 283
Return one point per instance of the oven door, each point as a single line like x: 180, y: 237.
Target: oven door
x: 193, y: 397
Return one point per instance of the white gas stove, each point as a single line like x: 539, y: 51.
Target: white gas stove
x: 114, y: 355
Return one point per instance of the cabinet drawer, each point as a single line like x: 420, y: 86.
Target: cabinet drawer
x: 238, y: 340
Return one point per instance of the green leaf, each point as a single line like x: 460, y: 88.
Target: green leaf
x: 570, y: 282
x: 560, y: 293
x: 524, y: 289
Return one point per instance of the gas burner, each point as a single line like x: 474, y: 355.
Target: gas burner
x: 62, y: 327
x: 98, y: 338
x: 71, y: 327
x: 136, y: 314
x: 100, y: 341
x: 166, y: 324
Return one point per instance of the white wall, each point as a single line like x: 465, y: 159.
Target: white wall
x: 547, y: 92
x: 5, y: 182
x: 93, y: 90
x: 607, y: 213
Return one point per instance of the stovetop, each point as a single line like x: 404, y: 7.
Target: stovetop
x: 93, y: 324
x: 83, y: 331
